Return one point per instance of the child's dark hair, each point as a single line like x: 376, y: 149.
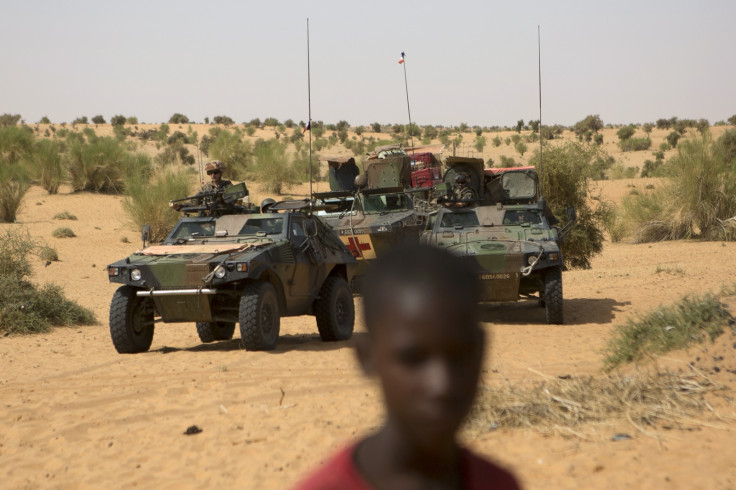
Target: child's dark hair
x: 420, y: 267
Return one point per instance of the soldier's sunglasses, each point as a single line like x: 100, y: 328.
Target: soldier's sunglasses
x: 210, y: 172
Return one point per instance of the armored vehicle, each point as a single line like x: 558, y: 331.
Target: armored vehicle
x: 507, y: 231
x: 374, y: 211
x: 223, y: 266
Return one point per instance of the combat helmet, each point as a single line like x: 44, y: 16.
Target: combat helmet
x: 215, y: 165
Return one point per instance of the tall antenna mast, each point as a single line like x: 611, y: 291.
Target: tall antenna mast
x: 539, y: 68
x: 408, y: 108
x: 309, y: 122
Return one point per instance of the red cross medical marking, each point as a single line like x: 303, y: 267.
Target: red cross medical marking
x: 356, y: 248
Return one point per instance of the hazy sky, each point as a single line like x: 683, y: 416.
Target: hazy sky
x: 467, y: 61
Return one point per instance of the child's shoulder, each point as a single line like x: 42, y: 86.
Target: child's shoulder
x: 479, y: 472
x: 339, y: 472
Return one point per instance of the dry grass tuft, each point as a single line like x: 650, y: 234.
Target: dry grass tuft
x: 663, y: 399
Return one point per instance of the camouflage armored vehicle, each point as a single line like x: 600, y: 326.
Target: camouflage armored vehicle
x: 221, y: 268
x: 374, y: 211
x: 508, y: 233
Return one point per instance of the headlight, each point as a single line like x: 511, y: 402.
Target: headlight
x: 531, y: 260
x: 220, y: 272
x: 113, y: 271
x: 135, y: 274
x: 553, y: 256
x: 241, y: 267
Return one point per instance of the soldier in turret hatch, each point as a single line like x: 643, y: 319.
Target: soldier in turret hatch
x: 462, y: 191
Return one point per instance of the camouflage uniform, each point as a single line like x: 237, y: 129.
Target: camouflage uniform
x: 465, y: 193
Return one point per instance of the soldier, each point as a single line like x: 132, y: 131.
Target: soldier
x: 214, y: 170
x: 462, y: 191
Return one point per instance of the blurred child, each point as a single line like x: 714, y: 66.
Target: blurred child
x: 425, y: 345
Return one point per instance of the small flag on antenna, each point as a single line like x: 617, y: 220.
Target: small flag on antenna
x: 402, y: 58
x: 308, y: 127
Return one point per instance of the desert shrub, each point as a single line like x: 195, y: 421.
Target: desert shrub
x: 16, y: 148
x: 727, y: 144
x: 598, y: 139
x: 565, y: 183
x: 48, y: 253
x: 521, y: 147
x: 693, y: 319
x: 592, y: 123
x: 480, y: 143
x: 225, y: 120
x: 13, y: 186
x: 101, y: 164
x: 619, y: 171
x: 698, y: 200
x: 47, y: 165
x: 147, y: 200
x: 63, y: 232
x: 98, y: 120
x: 117, y: 120
x: 497, y: 141
x: 650, y: 168
x: 81, y: 120
x: 65, y: 215
x: 131, y: 120
x: 26, y: 308
x: 626, y: 132
x: 16, y: 246
x: 635, y: 144
x: 236, y: 154
x: 272, y: 166
x: 9, y: 119
x: 178, y: 119
x: 376, y: 127
x: 270, y: 121
x: 673, y: 138
x: 506, y: 162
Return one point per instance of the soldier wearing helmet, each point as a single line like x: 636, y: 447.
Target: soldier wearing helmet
x: 214, y: 169
x: 462, y: 190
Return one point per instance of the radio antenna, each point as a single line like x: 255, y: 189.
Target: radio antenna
x: 408, y: 108
x: 309, y: 117
x: 539, y: 69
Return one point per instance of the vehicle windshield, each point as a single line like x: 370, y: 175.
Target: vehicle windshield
x: 522, y: 217
x: 385, y: 203
x: 451, y: 220
x: 271, y: 226
x: 187, y: 229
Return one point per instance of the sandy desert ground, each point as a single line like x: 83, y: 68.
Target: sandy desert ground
x: 75, y: 414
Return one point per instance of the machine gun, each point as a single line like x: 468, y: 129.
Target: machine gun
x: 216, y: 202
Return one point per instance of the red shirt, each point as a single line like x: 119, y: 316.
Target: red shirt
x: 341, y: 473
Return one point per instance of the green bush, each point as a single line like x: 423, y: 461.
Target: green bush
x: 506, y: 162
x: 635, y: 144
x: 566, y: 183
x: 673, y: 138
x: 48, y: 253
x: 236, y: 154
x: 226, y: 120
x: 697, y: 201
x: 9, y: 119
x: 63, y: 232
x: 693, y: 319
x: 147, y: 201
x: 81, y: 120
x: 626, y: 132
x: 521, y: 147
x: 47, y: 165
x: 102, y: 164
x: 98, y: 120
x: 272, y: 166
x: 618, y: 171
x: 178, y: 119
x: 65, y: 215
x: 117, y: 120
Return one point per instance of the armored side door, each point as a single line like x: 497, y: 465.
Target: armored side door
x: 306, y: 270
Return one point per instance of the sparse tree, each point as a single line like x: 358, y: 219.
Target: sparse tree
x: 342, y: 126
x: 590, y: 123
x: 9, y: 119
x: 647, y: 127
x: 178, y: 119
x: 131, y: 120
x: 732, y: 120
x: 225, y: 120
x: 117, y: 120
x: 519, y: 125
x: 98, y: 119
x: 270, y: 121
x: 463, y: 127
x: 480, y: 143
x: 534, y: 125
x: 521, y: 147
x: 702, y: 125
x: 673, y: 138
x: 44, y: 120
x: 626, y: 132
x: 376, y: 127
x: 81, y: 120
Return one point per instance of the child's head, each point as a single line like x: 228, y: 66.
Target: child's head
x: 424, y: 340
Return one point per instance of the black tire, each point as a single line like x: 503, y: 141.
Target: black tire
x: 259, y: 317
x: 211, y: 331
x: 335, y: 310
x: 553, y: 296
x: 131, y: 321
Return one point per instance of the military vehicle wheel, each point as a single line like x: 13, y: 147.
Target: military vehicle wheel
x: 335, y: 310
x: 553, y: 295
x: 131, y: 321
x: 259, y: 317
x: 211, y: 331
